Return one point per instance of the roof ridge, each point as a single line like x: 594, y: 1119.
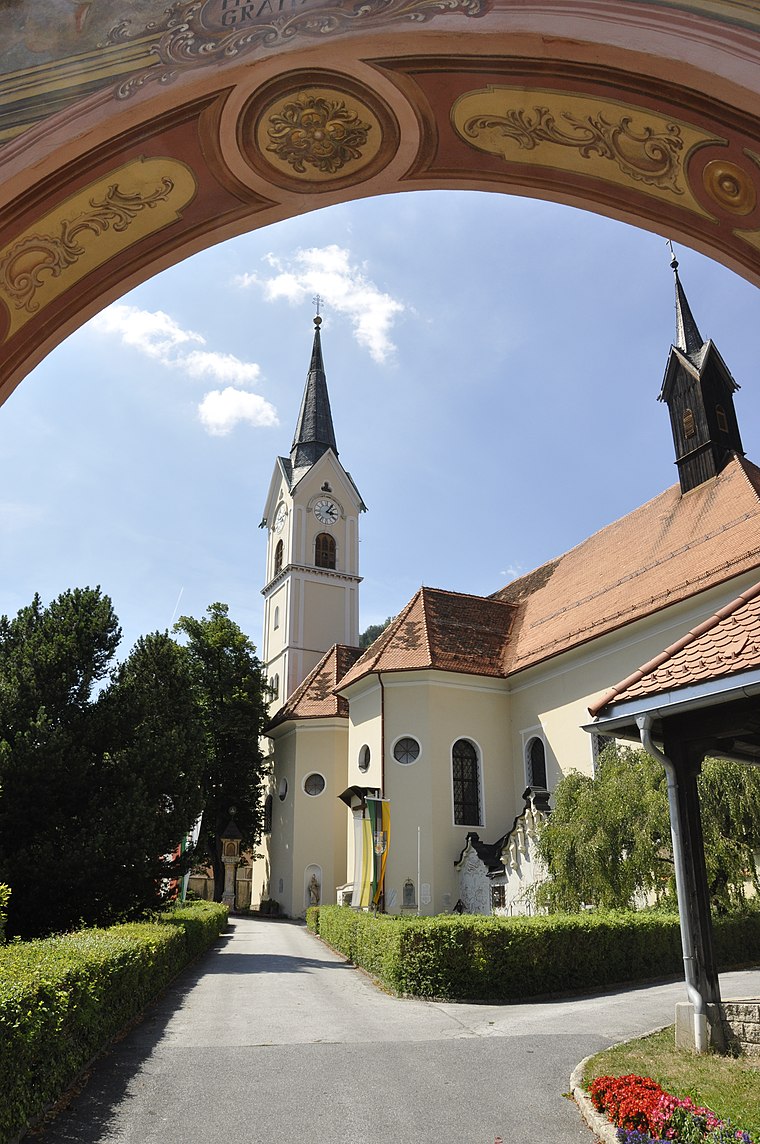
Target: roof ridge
x: 426, y: 621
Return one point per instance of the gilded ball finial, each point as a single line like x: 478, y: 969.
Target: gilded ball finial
x: 317, y: 300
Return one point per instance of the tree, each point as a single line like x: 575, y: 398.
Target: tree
x: 608, y: 842
x: 370, y: 634
x: 231, y: 691
x: 86, y: 777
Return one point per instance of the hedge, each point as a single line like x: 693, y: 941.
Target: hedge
x: 62, y: 999
x: 472, y: 958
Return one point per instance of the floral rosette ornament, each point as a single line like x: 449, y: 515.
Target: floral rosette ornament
x: 321, y: 132
x: 644, y: 1113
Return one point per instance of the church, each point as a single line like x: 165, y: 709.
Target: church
x: 413, y: 776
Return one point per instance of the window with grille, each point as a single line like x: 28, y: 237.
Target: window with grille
x: 268, y: 814
x: 406, y: 750
x: 324, y: 551
x: 466, y: 782
x: 314, y: 784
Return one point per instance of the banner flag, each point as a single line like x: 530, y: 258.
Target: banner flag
x: 379, y: 817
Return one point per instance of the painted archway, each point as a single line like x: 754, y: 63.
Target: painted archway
x: 132, y: 136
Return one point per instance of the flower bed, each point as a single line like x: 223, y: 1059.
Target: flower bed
x: 643, y: 1112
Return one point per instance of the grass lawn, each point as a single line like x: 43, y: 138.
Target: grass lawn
x: 730, y: 1086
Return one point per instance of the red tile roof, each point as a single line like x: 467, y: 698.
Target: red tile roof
x: 727, y: 643
x: 668, y: 550
x: 315, y: 697
x: 450, y: 631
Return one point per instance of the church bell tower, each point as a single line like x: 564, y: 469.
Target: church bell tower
x: 698, y: 390
x: 311, y: 590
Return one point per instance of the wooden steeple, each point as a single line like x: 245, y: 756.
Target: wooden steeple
x: 698, y: 390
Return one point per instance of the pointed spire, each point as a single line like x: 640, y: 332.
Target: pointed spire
x: 688, y: 338
x: 314, y: 433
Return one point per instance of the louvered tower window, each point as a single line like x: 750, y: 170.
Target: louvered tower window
x: 278, y: 557
x: 324, y: 551
x: 689, y: 425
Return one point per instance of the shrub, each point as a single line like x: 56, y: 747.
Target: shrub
x: 62, y: 999
x: 312, y: 918
x: 503, y: 959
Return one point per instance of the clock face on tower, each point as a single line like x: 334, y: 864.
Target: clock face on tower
x: 326, y: 511
x: 279, y: 519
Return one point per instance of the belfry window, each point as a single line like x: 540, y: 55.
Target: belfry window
x: 689, y: 424
x: 278, y: 557
x: 720, y: 414
x: 465, y: 778
x: 324, y: 550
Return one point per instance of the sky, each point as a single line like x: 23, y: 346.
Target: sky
x: 493, y: 366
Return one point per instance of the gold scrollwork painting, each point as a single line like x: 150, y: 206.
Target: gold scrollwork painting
x: 92, y: 226
x: 315, y: 132
x: 563, y: 130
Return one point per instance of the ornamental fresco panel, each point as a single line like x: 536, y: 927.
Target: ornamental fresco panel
x: 606, y: 140
x: 83, y: 232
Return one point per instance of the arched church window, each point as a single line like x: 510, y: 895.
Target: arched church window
x: 268, y: 801
x: 720, y: 413
x: 466, y: 783
x: 278, y: 557
x: 364, y: 758
x: 274, y: 686
x: 535, y: 759
x: 324, y: 551
x: 689, y: 424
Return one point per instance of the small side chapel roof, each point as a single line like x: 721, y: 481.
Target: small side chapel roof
x: 315, y: 697
x: 450, y: 631
x: 723, y: 645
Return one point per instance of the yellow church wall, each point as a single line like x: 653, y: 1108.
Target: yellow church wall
x: 436, y: 709
x: 552, y: 699
x: 308, y: 831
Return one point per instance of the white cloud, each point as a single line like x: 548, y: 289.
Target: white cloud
x: 222, y: 367
x: 153, y: 333
x: 222, y: 409
x: 512, y: 571
x: 157, y: 335
x: 344, y: 285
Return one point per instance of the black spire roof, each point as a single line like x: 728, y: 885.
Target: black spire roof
x: 688, y: 337
x: 314, y: 430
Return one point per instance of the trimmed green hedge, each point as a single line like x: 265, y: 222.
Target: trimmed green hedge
x: 62, y: 999
x: 472, y: 958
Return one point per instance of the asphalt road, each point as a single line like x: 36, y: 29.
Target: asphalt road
x: 273, y: 1038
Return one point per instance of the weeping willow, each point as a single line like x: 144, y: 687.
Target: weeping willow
x: 607, y: 843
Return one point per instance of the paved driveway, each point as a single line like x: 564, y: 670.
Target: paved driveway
x: 272, y: 1038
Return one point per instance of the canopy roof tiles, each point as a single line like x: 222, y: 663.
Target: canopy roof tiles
x: 723, y: 645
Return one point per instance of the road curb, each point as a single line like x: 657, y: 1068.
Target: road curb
x: 598, y: 1124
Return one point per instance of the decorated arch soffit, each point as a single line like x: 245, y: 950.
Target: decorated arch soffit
x: 134, y: 134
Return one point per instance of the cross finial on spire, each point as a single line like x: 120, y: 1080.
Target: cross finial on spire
x: 317, y: 300
x: 673, y: 259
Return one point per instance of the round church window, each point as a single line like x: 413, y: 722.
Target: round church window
x: 406, y: 750
x: 313, y: 784
x: 282, y: 790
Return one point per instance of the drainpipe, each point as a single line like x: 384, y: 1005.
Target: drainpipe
x: 644, y: 724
